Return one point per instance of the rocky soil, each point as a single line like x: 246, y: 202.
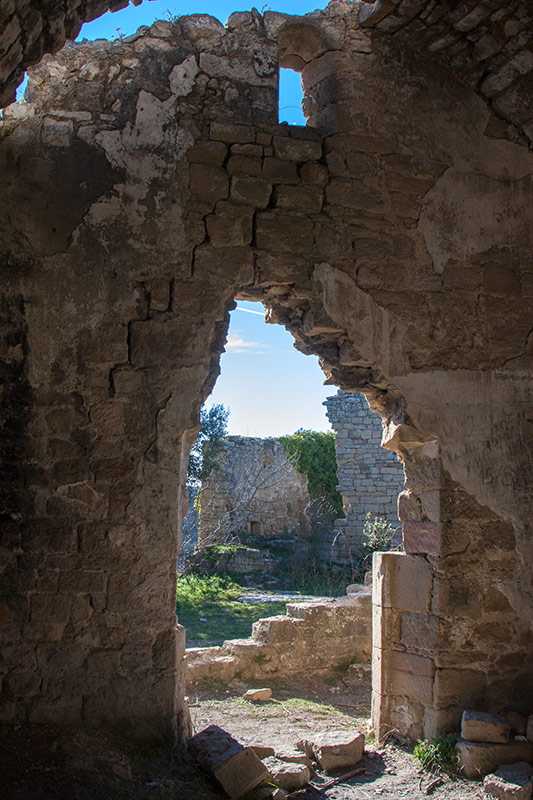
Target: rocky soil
x: 49, y: 763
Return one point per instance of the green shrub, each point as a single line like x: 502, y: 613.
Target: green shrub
x: 378, y: 534
x: 437, y: 755
x: 313, y: 453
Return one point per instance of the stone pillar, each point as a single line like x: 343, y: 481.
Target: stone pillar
x: 370, y: 477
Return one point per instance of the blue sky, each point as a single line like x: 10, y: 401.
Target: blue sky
x: 270, y: 387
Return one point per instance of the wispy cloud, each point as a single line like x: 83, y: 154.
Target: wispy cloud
x: 249, y: 311
x: 237, y: 344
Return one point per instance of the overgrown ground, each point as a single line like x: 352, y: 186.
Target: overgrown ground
x: 209, y: 608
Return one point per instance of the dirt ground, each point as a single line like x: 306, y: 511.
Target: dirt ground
x: 304, y: 707
x: 49, y: 763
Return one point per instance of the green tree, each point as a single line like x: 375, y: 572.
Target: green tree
x: 202, y: 458
x: 313, y: 453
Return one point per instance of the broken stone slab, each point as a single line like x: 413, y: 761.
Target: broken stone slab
x: 335, y: 749
x: 235, y: 767
x: 476, y: 726
x: 287, y: 775
x: 258, y: 695
x: 512, y: 782
x: 477, y: 759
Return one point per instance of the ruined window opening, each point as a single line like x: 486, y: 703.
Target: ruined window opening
x: 290, y: 97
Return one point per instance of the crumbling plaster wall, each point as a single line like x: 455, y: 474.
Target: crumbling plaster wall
x: 146, y: 184
x: 253, y: 488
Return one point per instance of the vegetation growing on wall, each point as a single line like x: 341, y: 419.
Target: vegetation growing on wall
x: 313, y: 453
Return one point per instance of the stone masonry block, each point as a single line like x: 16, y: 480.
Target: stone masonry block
x: 402, y: 581
x: 421, y: 537
x: 236, y: 768
x: 337, y: 749
x: 477, y: 759
x: 511, y: 782
x: 476, y: 726
x: 288, y: 149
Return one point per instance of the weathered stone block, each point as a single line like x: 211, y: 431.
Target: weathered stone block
x: 421, y: 537
x: 224, y: 132
x: 476, y: 726
x: 477, y: 759
x: 511, y: 782
x: 288, y: 776
x: 207, y: 153
x: 277, y: 171
x: 209, y: 182
x: 402, y: 581
x: 299, y: 198
x: 289, y: 149
x: 250, y: 191
x: 336, y: 749
x: 236, y: 768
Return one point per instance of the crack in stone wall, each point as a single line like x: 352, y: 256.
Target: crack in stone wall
x: 187, y: 195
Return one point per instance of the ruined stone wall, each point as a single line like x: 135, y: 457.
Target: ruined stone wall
x: 370, y: 477
x: 146, y: 185
x: 313, y: 636
x: 253, y: 489
x: 30, y: 29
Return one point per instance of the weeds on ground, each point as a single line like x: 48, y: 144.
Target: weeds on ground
x: 437, y: 755
x: 209, y: 608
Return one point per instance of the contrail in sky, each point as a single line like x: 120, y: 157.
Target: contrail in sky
x: 249, y: 311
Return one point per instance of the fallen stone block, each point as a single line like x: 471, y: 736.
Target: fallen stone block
x: 512, y: 782
x: 336, y: 749
x: 477, y: 759
x: 235, y: 767
x: 258, y: 695
x: 477, y: 726
x: 288, y: 776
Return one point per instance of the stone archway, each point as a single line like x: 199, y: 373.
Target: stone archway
x: 362, y: 236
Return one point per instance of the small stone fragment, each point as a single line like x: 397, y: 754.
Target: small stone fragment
x: 477, y: 726
x: 236, y: 768
x: 287, y: 775
x: 262, y: 751
x: 258, y: 695
x: 512, y: 782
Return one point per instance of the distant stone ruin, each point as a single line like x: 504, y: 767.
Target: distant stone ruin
x: 370, y: 477
x: 253, y: 489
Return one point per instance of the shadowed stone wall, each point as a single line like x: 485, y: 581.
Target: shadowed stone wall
x: 370, y: 477
x: 146, y: 185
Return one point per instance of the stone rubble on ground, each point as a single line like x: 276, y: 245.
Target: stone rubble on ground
x: 235, y: 767
x: 258, y: 695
